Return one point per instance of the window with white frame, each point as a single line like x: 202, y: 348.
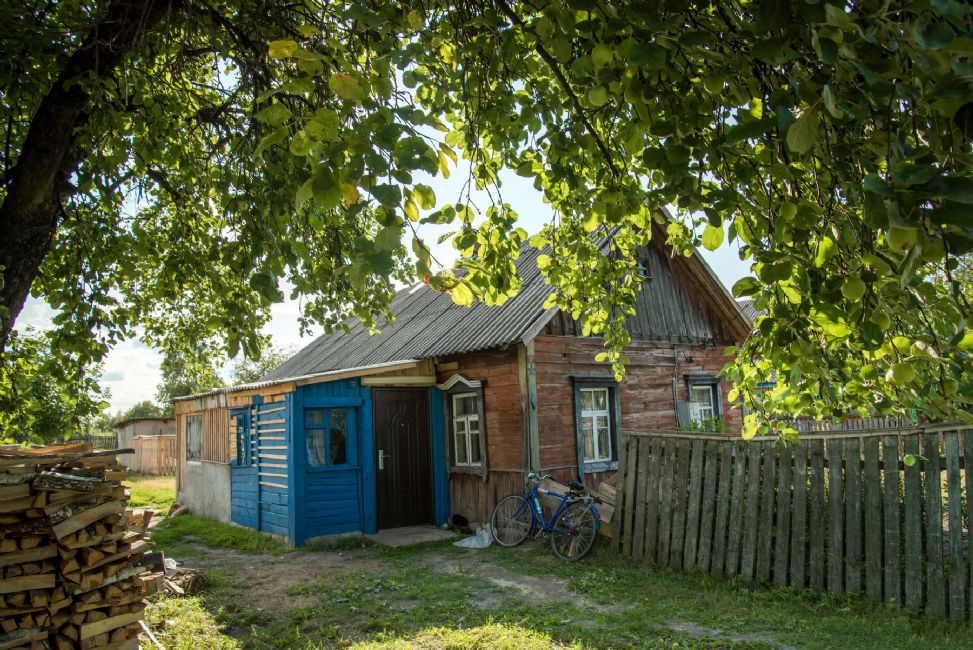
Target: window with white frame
x: 466, y: 430
x: 194, y: 437
x: 596, y: 430
x: 704, y: 401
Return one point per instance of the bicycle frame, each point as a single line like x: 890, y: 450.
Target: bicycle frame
x: 537, y: 512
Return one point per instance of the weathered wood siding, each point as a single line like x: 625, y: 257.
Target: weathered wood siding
x: 470, y: 495
x: 646, y: 393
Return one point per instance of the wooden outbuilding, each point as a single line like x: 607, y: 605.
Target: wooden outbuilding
x: 448, y: 408
x: 153, y: 440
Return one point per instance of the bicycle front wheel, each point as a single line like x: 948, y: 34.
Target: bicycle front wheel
x: 575, y: 532
x: 511, y: 521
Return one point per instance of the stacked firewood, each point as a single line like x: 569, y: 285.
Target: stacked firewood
x: 70, y: 552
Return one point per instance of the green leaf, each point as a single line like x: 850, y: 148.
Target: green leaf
x: 388, y: 195
x: 275, y: 114
x: 827, y: 95
x: 826, y: 250
x: 389, y: 238
x: 803, y: 132
x: 713, y: 237
x: 346, y: 87
x: 746, y: 287
x: 461, y: 294
x: 282, y: 49
x: 425, y: 196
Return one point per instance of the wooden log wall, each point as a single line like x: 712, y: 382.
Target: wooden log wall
x: 153, y: 454
x: 875, y: 513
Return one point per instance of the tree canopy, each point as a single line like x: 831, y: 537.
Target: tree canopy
x: 171, y: 164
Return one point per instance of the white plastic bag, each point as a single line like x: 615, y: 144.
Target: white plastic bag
x: 483, y: 538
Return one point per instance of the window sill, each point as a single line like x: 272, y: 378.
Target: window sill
x: 601, y: 466
x: 475, y: 470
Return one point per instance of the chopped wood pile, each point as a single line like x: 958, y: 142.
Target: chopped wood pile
x: 70, y: 552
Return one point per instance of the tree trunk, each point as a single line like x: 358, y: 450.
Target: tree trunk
x: 32, y: 208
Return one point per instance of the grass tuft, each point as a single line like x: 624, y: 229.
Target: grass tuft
x: 155, y: 492
x: 178, y: 535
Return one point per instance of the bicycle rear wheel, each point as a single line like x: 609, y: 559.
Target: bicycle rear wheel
x: 575, y: 532
x: 512, y: 520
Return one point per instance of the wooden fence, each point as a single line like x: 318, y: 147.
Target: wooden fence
x: 153, y: 454
x: 839, y: 511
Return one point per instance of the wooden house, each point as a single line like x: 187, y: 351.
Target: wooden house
x: 153, y: 440
x: 448, y: 407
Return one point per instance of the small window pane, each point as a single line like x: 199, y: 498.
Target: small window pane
x: 338, y: 434
x: 587, y: 400
x: 588, y: 435
x: 702, y: 394
x: 475, y: 448
x: 604, y: 447
x: 464, y: 405
x: 461, y: 457
x: 316, y: 445
x: 473, y: 424
x: 460, y: 427
x: 600, y: 398
x: 194, y: 437
x: 313, y: 418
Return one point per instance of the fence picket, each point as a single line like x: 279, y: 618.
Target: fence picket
x: 781, y: 554
x: 717, y: 566
x: 957, y: 563
x: 665, y: 507
x: 709, y: 505
x: 748, y: 552
x: 873, y: 520
x: 652, y: 507
x: 892, y: 498
x: 935, y: 598
x: 799, y: 517
x: 912, y: 525
x: 736, y: 509
x: 692, y: 510
x: 816, y: 525
x: 638, y: 525
x: 853, y: 519
x: 836, y: 518
x: 765, y: 531
x: 680, y: 496
x: 626, y: 481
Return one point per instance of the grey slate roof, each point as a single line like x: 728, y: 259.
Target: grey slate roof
x: 427, y: 324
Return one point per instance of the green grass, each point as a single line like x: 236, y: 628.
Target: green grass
x: 350, y: 594
x: 155, y: 492
x: 183, y: 536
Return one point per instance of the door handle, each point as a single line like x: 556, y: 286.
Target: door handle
x: 381, y: 458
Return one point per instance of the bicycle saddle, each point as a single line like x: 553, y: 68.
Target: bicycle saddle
x: 574, y: 485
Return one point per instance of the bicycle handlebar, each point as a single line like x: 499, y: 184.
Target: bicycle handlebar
x: 537, y: 479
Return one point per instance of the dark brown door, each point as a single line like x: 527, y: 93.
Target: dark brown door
x: 403, y: 457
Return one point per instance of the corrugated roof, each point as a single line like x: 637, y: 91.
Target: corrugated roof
x: 427, y: 324
x: 748, y: 309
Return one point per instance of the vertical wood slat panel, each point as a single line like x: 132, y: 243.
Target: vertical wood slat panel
x: 873, y: 519
x: 935, y: 598
x: 799, y: 517
x: 957, y: 563
x: 853, y: 520
x: 717, y: 566
x: 736, y: 509
x: 665, y: 506
x: 680, y: 497
x: 765, y: 532
x: 782, y: 546
x: 748, y: 552
x: 639, y: 523
x: 628, y: 496
x: 816, y: 522
x: 892, y: 519
x: 693, y: 507
x: 912, y: 525
x: 711, y: 459
x: 967, y: 440
x: 836, y: 518
x: 652, y: 508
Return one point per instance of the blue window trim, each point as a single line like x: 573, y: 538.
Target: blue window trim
x: 244, y: 436
x: 351, y: 407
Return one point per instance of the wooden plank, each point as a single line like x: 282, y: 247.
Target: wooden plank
x: 85, y: 517
x: 765, y: 530
x: 798, y: 563
x: 638, y: 522
x: 816, y: 521
x: 718, y: 562
x: 33, y: 555
x: 665, y: 495
x: 628, y: 494
x: 853, y: 518
x: 89, y: 630
x: 912, y: 524
x: 967, y: 439
x: 736, y: 509
x: 277, y: 485
x: 680, y: 496
x: 836, y: 519
x: 651, y: 497
x: 891, y: 517
x: 783, y: 532
x: 748, y: 551
x: 693, y: 509
x: 26, y: 583
x: 705, y: 546
x: 935, y: 596
x: 957, y: 563
x: 873, y: 519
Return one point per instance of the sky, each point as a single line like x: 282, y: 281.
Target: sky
x: 131, y: 370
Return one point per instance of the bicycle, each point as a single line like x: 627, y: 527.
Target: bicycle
x: 573, y: 527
